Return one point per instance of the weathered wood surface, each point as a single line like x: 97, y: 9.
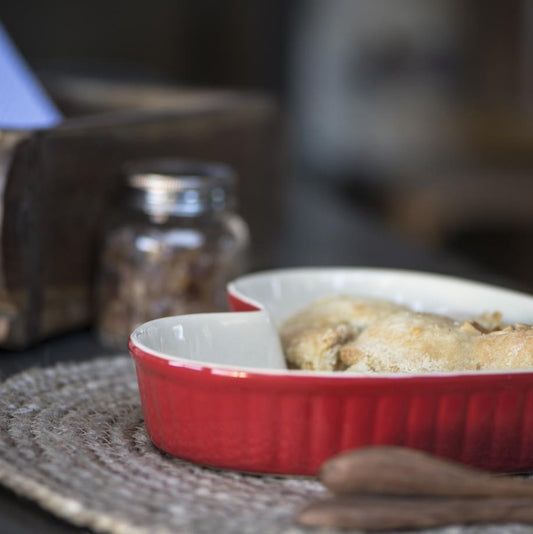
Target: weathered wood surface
x: 60, y: 183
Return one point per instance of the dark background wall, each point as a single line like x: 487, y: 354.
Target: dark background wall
x: 418, y: 112
x: 208, y: 42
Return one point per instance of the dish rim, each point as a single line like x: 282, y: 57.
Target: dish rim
x: 249, y: 372
x: 232, y: 288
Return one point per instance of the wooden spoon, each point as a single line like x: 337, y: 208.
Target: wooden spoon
x: 392, y: 513
x: 402, y: 471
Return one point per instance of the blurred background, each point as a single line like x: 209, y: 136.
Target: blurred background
x: 417, y: 112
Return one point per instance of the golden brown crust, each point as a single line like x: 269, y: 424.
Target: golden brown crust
x: 312, y: 338
x: 369, y: 335
x: 317, y: 348
x: 511, y: 348
x: 408, y: 342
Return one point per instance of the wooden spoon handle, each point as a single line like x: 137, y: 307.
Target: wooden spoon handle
x: 391, y: 513
x: 402, y: 471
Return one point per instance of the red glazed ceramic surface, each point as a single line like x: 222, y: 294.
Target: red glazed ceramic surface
x: 262, y: 418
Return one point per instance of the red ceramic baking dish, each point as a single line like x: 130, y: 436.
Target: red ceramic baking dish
x: 214, y: 389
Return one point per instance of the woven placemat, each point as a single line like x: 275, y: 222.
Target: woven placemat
x: 72, y: 438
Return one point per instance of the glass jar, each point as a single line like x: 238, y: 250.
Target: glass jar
x: 170, y: 248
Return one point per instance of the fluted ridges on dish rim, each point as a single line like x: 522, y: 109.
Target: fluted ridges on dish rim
x: 279, y: 432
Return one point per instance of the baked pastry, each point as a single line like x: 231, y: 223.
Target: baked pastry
x: 369, y: 335
x: 313, y: 337
x: 408, y: 342
x: 510, y: 348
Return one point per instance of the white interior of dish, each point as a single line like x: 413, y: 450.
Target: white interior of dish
x: 239, y: 339
x: 249, y: 340
x: 282, y: 293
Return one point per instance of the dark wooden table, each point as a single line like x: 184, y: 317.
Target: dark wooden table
x: 322, y: 228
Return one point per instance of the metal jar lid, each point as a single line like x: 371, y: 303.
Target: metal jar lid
x: 179, y: 187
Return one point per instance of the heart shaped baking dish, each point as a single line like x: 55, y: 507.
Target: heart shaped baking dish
x: 215, y: 390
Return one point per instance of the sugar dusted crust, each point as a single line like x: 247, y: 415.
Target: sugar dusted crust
x: 357, y: 334
x: 313, y: 337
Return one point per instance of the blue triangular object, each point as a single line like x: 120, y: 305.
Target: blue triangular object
x: 23, y: 102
